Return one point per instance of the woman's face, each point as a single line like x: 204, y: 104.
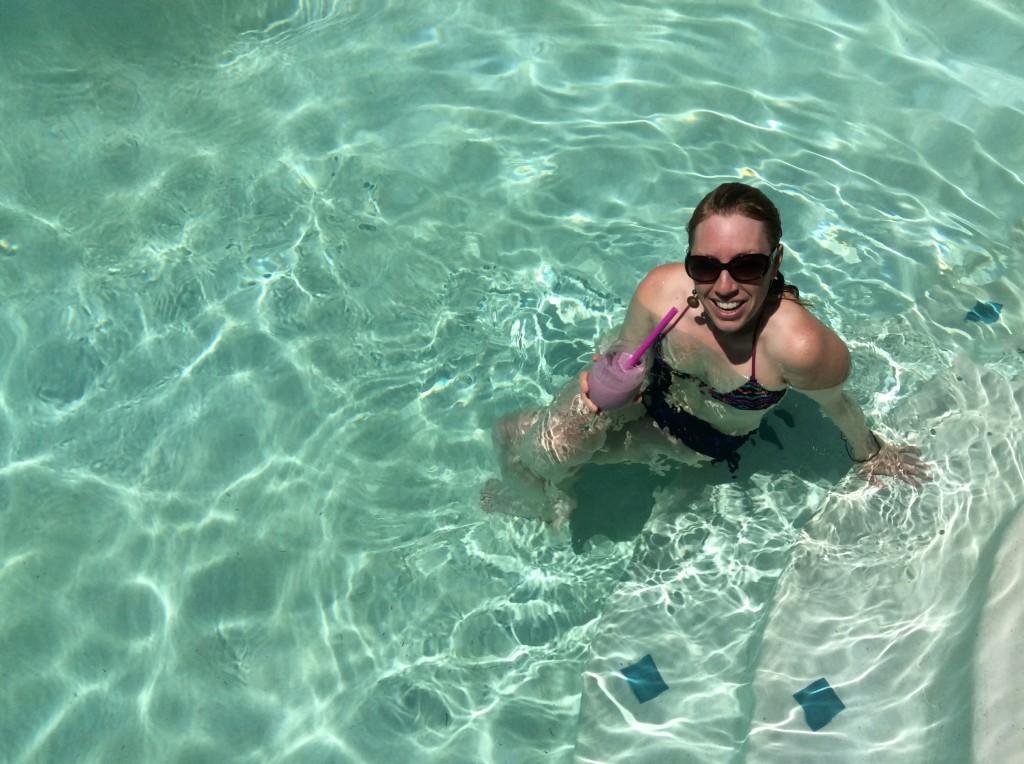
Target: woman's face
x: 731, y: 305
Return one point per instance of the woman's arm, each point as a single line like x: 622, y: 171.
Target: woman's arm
x: 642, y: 315
x: 873, y: 455
x: 639, y: 322
x: 837, y: 405
x: 817, y: 364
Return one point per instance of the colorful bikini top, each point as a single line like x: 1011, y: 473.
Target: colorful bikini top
x: 750, y: 396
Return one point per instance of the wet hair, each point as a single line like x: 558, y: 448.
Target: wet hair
x: 741, y: 199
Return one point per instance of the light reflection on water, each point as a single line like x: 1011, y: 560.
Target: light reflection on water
x: 268, y: 280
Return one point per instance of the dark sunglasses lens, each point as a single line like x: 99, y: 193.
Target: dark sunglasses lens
x: 749, y: 267
x: 703, y: 269
x: 746, y: 268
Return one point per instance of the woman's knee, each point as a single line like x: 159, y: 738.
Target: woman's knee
x: 508, y: 431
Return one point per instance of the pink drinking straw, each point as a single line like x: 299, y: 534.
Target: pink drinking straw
x: 635, y: 358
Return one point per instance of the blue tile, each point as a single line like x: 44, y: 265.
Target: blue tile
x: 986, y: 312
x: 820, y: 703
x: 644, y: 679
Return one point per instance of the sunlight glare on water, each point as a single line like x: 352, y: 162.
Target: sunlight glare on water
x: 271, y: 270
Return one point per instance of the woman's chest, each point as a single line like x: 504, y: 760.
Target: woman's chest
x: 692, y: 357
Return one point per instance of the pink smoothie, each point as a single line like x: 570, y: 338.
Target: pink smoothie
x: 613, y: 382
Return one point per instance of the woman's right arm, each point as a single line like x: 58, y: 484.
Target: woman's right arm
x: 637, y: 325
x: 641, y: 316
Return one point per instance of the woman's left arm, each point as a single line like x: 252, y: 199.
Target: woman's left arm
x: 874, y: 457
x: 817, y: 363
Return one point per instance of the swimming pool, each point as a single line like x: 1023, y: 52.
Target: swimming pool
x: 270, y: 272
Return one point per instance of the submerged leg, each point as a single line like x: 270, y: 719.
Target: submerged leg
x: 519, y: 492
x: 540, y: 451
x: 563, y: 436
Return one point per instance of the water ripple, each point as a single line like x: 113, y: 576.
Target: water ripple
x: 269, y: 279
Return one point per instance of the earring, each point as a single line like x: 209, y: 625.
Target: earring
x: 692, y: 300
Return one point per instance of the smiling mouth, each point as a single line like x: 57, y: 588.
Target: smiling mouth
x: 727, y: 306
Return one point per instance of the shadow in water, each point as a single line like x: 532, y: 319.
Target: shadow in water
x: 616, y: 500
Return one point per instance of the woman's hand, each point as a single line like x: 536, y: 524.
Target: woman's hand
x: 585, y: 388
x: 895, y: 461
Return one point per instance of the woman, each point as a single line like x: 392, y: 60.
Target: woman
x: 741, y: 341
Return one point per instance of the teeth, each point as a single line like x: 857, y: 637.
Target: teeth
x: 728, y: 305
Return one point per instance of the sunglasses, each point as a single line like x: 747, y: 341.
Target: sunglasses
x: 743, y: 268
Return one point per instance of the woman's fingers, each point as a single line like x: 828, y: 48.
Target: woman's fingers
x: 585, y: 392
x: 899, y: 462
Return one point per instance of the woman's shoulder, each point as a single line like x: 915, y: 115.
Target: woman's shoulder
x: 667, y: 272
x: 810, y: 354
x: 661, y: 281
x: 790, y: 314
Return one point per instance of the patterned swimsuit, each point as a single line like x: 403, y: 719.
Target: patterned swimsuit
x: 693, y: 431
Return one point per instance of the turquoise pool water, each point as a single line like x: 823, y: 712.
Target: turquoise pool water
x: 271, y: 269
